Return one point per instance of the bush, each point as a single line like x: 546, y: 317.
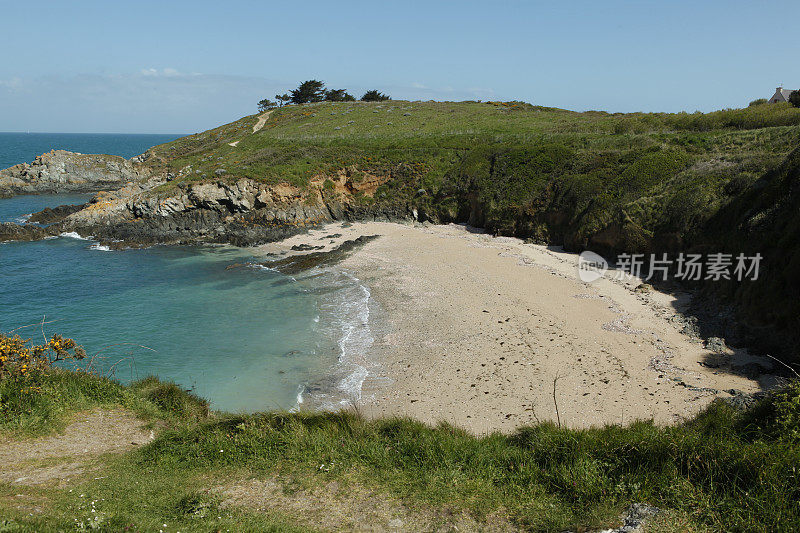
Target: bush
x: 339, y: 95
x: 19, y: 357
x: 266, y: 104
x: 374, y: 96
x: 760, y: 101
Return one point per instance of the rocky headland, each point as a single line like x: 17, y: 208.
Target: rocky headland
x: 60, y: 171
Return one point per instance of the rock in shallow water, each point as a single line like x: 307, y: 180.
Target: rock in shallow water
x: 28, y: 232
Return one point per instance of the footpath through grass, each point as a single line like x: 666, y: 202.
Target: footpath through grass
x: 725, y: 470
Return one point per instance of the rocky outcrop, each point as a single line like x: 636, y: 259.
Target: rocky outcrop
x: 53, y: 215
x: 63, y: 171
x: 25, y: 232
x: 241, y: 212
x: 300, y: 263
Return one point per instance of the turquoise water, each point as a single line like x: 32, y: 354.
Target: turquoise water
x: 245, y: 338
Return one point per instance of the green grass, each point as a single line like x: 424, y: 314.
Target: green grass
x: 62, y: 392
x: 724, y: 470
x: 299, y: 141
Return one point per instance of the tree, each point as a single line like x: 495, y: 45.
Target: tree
x: 265, y: 104
x: 282, y: 99
x: 758, y: 102
x: 375, y: 96
x: 794, y: 98
x: 308, y: 91
x: 339, y: 95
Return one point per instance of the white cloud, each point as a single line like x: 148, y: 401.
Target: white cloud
x: 13, y: 84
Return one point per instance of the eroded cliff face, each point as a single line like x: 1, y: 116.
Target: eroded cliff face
x: 142, y: 206
x: 237, y: 211
x: 63, y: 171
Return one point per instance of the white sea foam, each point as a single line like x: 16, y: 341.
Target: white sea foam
x: 74, y: 235
x: 100, y: 247
x: 344, y: 318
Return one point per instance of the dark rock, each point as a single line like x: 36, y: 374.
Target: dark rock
x: 742, y: 400
x: 305, y: 247
x: 715, y: 344
x: 27, y: 232
x: 300, y: 263
x: 56, y: 214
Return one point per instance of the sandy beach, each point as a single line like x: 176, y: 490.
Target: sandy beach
x: 490, y: 334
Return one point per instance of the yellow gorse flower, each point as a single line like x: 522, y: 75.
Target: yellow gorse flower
x: 18, y: 357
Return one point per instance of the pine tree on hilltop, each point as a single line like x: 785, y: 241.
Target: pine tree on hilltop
x: 308, y: 91
x: 375, y: 96
x: 339, y: 95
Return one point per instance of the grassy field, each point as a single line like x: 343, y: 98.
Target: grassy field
x: 431, y: 137
x: 725, y: 470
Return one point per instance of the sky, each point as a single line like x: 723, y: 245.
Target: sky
x: 176, y: 66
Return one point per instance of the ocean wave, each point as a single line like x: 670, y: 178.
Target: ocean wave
x: 100, y: 247
x: 74, y: 235
x: 344, y: 316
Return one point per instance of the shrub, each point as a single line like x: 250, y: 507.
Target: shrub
x: 374, y: 96
x: 760, y: 101
x: 19, y: 357
x: 339, y: 95
x: 266, y: 104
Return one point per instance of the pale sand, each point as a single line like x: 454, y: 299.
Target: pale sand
x: 479, y: 328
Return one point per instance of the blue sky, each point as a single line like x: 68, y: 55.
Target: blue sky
x: 179, y: 67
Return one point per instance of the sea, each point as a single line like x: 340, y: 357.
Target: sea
x: 246, y: 339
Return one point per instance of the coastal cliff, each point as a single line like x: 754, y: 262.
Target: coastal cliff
x: 241, y: 212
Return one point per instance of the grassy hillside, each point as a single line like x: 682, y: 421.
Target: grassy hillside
x: 725, y: 470
x: 432, y: 139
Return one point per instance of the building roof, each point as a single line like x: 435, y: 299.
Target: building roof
x: 781, y: 93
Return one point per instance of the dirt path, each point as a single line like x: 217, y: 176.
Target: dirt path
x: 65, y: 455
x: 262, y: 119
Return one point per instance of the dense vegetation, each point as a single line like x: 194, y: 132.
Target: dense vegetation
x: 727, y: 469
x: 638, y: 182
